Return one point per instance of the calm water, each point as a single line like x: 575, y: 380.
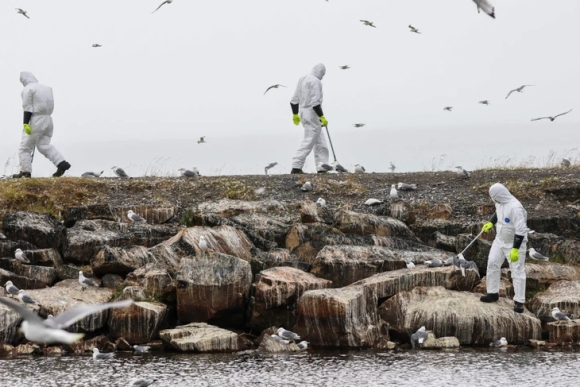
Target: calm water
x: 465, y: 367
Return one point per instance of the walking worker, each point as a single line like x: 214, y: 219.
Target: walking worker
x: 307, y: 101
x: 38, y: 104
x: 510, y: 242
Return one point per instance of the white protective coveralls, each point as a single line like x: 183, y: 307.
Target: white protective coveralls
x: 511, y: 221
x: 37, y: 99
x: 309, y: 94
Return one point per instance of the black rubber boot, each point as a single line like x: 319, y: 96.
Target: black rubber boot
x: 295, y: 171
x: 321, y: 172
x: 62, y: 167
x: 22, y: 175
x: 489, y: 297
x: 518, y: 307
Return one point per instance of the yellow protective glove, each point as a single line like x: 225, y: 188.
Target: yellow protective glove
x: 514, y: 255
x: 324, y: 121
x: 486, y: 227
x: 27, y: 129
x: 296, y: 119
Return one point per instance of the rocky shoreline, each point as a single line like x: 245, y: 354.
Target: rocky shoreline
x: 336, y: 275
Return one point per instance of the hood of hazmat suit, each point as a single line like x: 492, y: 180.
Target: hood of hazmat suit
x: 511, y: 215
x: 36, y: 97
x: 27, y: 77
x: 309, y: 88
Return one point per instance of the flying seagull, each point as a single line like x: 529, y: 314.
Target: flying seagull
x: 394, y: 194
x: 134, y: 218
x: 25, y: 298
x: 97, y: 45
x: 419, y: 337
x: 11, y: 289
x: 165, y: 2
x: 551, y: 118
x: 187, y: 173
x: 273, y: 87
x: 519, y: 90
x: 359, y: 168
x: 22, y: 12
x: 484, y: 102
x: 462, y: 173
x: 537, y: 256
x: 141, y: 348
x: 20, y: 256
x: 270, y: 166
x: 558, y: 315
x: 413, y: 29
x: 286, y: 334
x: 486, y: 6
x: 500, y: 343
x: 119, y: 172
x: 345, y: 67
x: 392, y: 167
x: 448, y: 108
x: 51, y: 331
x: 101, y: 356
x: 373, y: 202
x: 368, y: 23
x: 201, y: 140
x: 564, y: 164
x: 203, y: 245
x: 92, y: 174
x: 86, y: 281
x: 359, y: 125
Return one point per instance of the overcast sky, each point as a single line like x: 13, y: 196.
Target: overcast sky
x: 200, y: 68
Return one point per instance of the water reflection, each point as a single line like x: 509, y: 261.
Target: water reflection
x: 465, y: 367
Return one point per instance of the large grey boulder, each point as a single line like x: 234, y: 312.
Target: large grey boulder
x: 120, y: 260
x: 351, y: 222
x: 201, y: 337
x: 458, y: 314
x: 101, y: 211
x: 138, y: 324
x: 42, y: 230
x: 263, y: 260
x: 21, y: 282
x: 564, y: 295
x: 9, y: 324
x: 156, y: 283
x: 44, y: 275
x: 540, y: 276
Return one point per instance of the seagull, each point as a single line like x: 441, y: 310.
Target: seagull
x: 196, y: 171
x: 321, y: 202
x: 141, y: 348
x: 413, y: 29
x: 270, y: 166
x: 392, y: 167
x: 368, y: 23
x: 92, y: 174
x: 260, y: 191
x: 537, y: 256
x: 143, y: 383
x: 394, y: 194
x: 419, y: 337
x: 551, y: 118
x: 51, y: 331
x: 97, y: 45
x: 203, y: 245
x: 448, y: 108
x: 519, y: 90
x: 434, y: 263
x: 20, y: 256
x: 558, y: 315
x: 373, y: 202
x: 359, y: 125
x: 359, y: 168
x: 345, y: 67
x: 280, y: 340
x: 462, y: 173
x: 338, y: 167
x: 22, y: 296
x: 500, y: 343
x: 406, y: 187
x: 484, y: 102
x: 410, y: 264
x: 86, y: 281
x: 201, y: 140
x: 2, y: 236
x: 286, y: 334
x: 165, y: 2
x: 22, y: 12
x: 273, y: 87
x: 323, y: 167
x: 306, y: 186
x: 133, y: 217
x: 486, y: 6
x: 11, y: 289
x: 119, y: 172
x: 564, y: 164
x: 467, y: 265
x: 303, y: 345
x: 187, y: 173
x: 101, y: 356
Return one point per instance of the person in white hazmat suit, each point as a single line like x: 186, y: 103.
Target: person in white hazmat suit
x: 38, y: 104
x: 307, y: 108
x: 510, y: 242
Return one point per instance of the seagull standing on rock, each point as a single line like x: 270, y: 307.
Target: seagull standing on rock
x: 11, y: 289
x: 558, y: 315
x: 280, y: 340
x: 25, y: 298
x: 134, y: 218
x: 86, y: 281
x: 119, y: 172
x: 303, y: 345
x: 306, y: 186
x: 286, y: 334
x: 394, y: 194
x: 462, y: 173
x: 20, y: 256
x: 203, y: 245
x: 419, y: 337
x: 321, y: 202
x: 537, y: 256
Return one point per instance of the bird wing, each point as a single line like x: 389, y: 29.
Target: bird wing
x: 120, y: 172
x: 89, y: 282
x: 561, y: 114
x: 510, y: 93
x: 561, y: 316
x: 159, y: 7
x: 137, y: 218
x: 26, y: 298
x: 541, y: 118
x: 73, y: 315
x: 26, y: 314
x: 271, y: 87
